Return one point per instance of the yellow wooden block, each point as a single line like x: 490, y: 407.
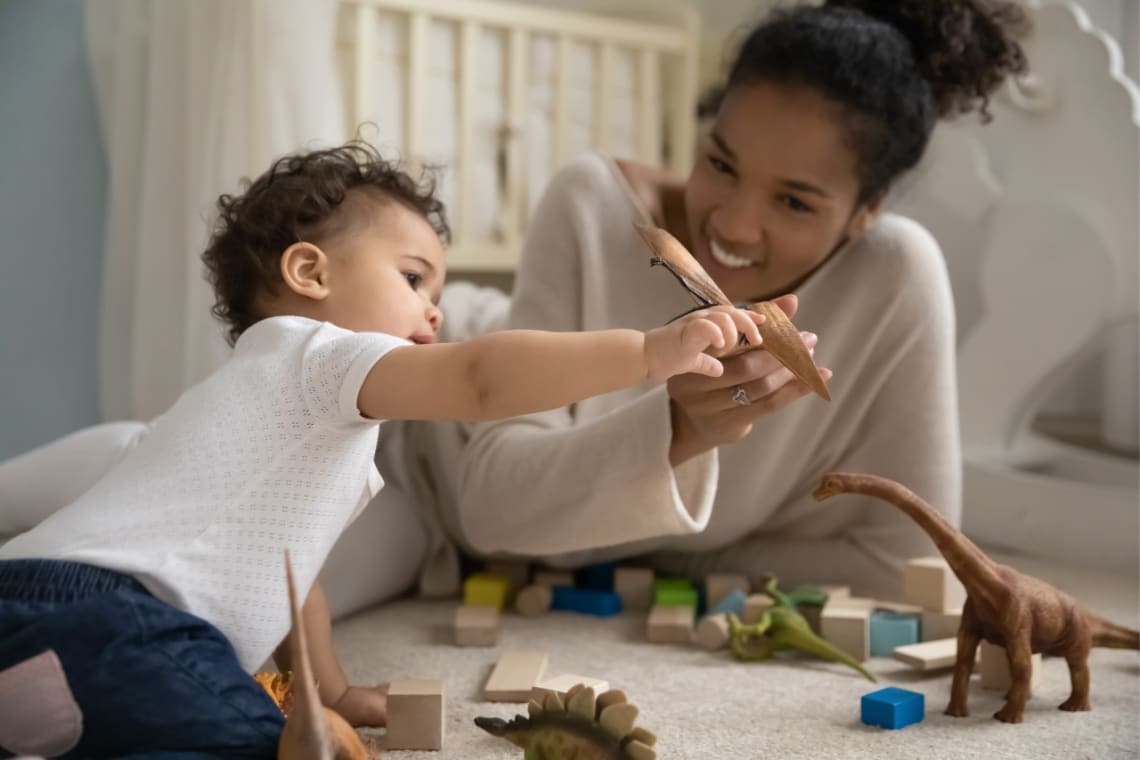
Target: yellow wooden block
x: 486, y: 590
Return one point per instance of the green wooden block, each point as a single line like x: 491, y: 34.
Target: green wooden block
x: 486, y: 590
x: 676, y: 597
x: 680, y: 584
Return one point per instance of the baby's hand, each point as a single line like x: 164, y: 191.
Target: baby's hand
x: 679, y: 347
x: 364, y: 706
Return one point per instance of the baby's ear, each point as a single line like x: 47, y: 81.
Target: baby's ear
x: 305, y: 270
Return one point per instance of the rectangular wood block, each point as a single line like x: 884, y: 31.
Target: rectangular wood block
x: 994, y: 665
x: 929, y: 583
x: 849, y: 629
x: 670, y: 625
x: 552, y: 578
x: 415, y: 715
x: 514, y: 676
x: 476, y: 626
x: 635, y: 586
x: 754, y: 607
x: 940, y: 625
x: 718, y: 586
x: 561, y: 684
x: 928, y: 655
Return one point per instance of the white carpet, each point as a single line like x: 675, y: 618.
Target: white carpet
x: 707, y: 705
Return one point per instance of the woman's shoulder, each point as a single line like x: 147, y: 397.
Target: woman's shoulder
x: 898, y: 248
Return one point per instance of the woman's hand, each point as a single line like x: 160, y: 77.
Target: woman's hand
x: 710, y: 411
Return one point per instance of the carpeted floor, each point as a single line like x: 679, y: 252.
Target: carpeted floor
x: 706, y: 705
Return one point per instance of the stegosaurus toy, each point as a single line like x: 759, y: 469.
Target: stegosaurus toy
x: 783, y: 627
x: 584, y: 727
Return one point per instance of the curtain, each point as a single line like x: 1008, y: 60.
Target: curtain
x: 193, y: 95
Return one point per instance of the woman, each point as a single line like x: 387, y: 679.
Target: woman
x: 823, y: 110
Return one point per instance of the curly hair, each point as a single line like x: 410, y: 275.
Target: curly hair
x: 894, y: 66
x: 303, y: 197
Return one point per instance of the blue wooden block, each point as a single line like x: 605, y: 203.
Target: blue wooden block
x: 892, y: 708
x: 599, y: 577
x: 586, y: 600
x: 892, y: 629
x: 733, y: 602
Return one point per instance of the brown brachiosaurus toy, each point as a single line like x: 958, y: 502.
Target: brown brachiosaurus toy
x: 312, y: 731
x: 1006, y: 608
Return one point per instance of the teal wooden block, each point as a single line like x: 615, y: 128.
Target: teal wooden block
x: 892, y: 629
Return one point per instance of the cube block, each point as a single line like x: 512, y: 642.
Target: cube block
x: 892, y: 708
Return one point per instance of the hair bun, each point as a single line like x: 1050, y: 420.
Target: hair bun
x: 965, y: 49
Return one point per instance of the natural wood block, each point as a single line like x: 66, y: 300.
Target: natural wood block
x: 848, y: 628
x: 534, y: 600
x: 900, y: 608
x: 940, y: 625
x: 929, y: 583
x: 712, y: 632
x: 670, y: 625
x: 561, y: 684
x: 717, y: 587
x: 635, y: 586
x: 836, y: 592
x: 415, y: 715
x: 515, y: 674
x: 929, y: 655
x: 552, y: 578
x: 754, y: 607
x: 476, y: 626
x: 993, y: 662
x: 851, y: 603
x: 485, y: 590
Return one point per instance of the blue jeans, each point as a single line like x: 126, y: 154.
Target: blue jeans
x: 152, y: 681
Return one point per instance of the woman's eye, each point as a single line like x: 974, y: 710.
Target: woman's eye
x: 414, y: 278
x: 795, y: 204
x: 720, y: 166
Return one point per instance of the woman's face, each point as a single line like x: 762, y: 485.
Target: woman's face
x: 773, y: 190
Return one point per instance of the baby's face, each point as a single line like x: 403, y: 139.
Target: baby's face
x: 387, y: 277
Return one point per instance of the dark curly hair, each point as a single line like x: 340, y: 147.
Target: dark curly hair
x: 894, y: 66
x: 301, y: 197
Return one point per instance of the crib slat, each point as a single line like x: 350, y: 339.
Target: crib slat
x: 469, y: 58
x: 514, y: 181
x: 683, y: 101
x: 419, y: 26
x: 602, y: 96
x: 561, y: 126
x: 648, y: 118
x: 364, y: 61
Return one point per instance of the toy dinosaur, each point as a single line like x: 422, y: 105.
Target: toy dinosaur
x: 783, y: 627
x: 312, y: 731
x: 781, y: 338
x: 584, y: 727
x: 1006, y: 608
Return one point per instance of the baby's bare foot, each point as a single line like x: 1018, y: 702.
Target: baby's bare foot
x: 364, y: 706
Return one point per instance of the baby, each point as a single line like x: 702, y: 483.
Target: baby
x: 161, y: 588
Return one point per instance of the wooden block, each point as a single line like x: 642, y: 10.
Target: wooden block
x: 836, y: 592
x: 929, y: 583
x: 635, y: 586
x: 516, y: 572
x: 851, y: 603
x: 940, y: 625
x: 476, y: 626
x: 754, y: 607
x: 892, y: 629
x: 717, y: 587
x: 534, y: 600
x: 993, y: 662
x: 670, y: 625
x: 929, y: 655
x: 712, y: 632
x: 485, y: 590
x: 514, y: 676
x: 848, y: 628
x: 552, y: 578
x: 676, y: 597
x: 561, y: 684
x: 900, y: 608
x: 415, y: 715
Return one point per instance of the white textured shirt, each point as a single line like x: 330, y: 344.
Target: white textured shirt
x: 269, y: 453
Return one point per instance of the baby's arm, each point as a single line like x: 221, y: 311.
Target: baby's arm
x: 516, y: 372
x: 359, y: 705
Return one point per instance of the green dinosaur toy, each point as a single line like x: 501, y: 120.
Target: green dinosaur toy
x: 783, y: 627
x: 584, y: 727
